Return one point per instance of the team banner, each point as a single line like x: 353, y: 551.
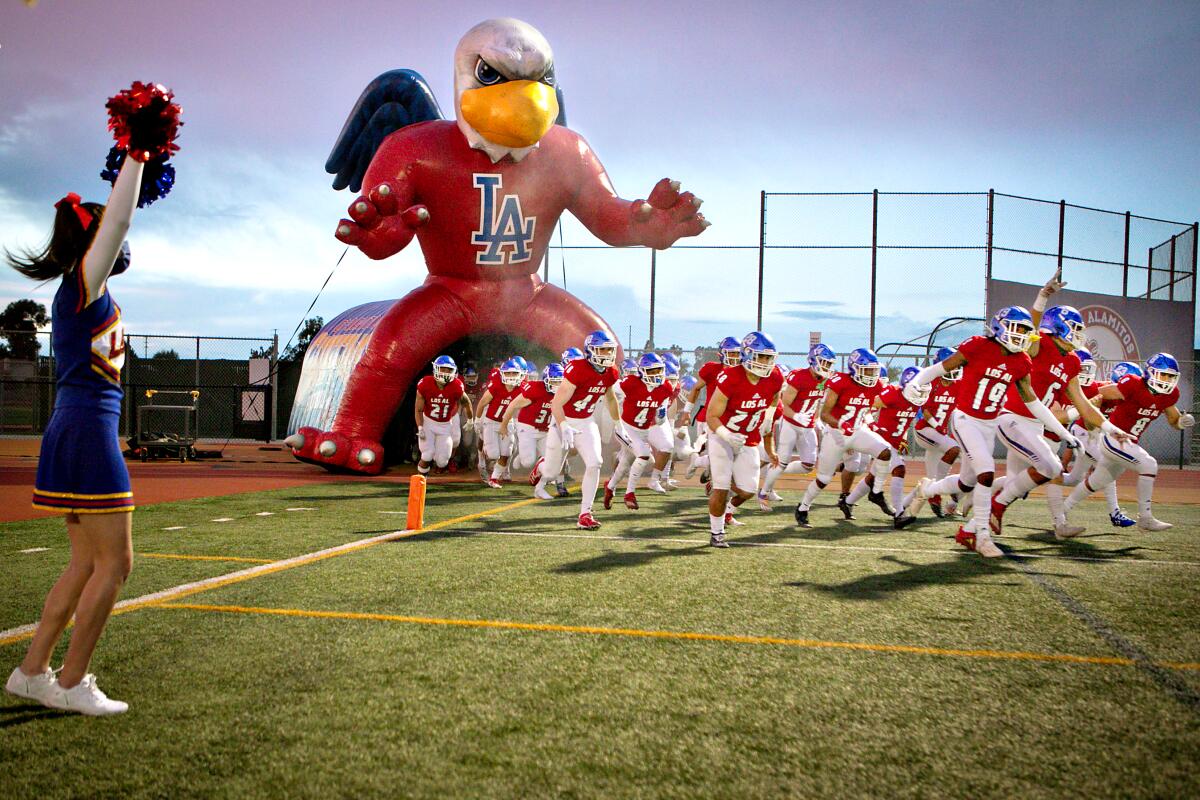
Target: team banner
x: 1125, y: 329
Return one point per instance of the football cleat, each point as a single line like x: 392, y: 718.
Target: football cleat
x: 914, y: 505
x: 560, y: 488
x: 587, y: 522
x: 655, y: 486
x: 1147, y: 522
x: 996, y: 520
x: 541, y: 494
x: 965, y: 505
x: 775, y: 497
x: 84, y: 697
x: 802, y: 517
x: 1064, y: 531
x: 878, y: 499
x: 608, y: 498
x: 535, y: 474
x: 494, y: 484
x: 506, y: 475
x: 986, y: 547
x: 483, y: 470
x: 902, y: 521
x: 935, y: 505
x: 717, y: 540
x: 693, y: 465
x: 846, y: 509
x: 1120, y: 519
x: 671, y: 485
x: 631, y: 501
x: 730, y: 519
x: 707, y: 488
x: 965, y: 538
x: 764, y: 504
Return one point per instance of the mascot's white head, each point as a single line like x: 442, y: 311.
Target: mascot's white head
x: 504, y: 87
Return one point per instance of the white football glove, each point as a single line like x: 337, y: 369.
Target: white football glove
x: 420, y: 431
x: 734, y: 440
x: 567, y: 434
x: 1070, y: 441
x: 1186, y: 421
x: 917, y: 395
x: 804, y: 420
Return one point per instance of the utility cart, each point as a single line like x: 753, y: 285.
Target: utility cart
x: 166, y: 425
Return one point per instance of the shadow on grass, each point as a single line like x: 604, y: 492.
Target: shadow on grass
x: 20, y: 715
x: 958, y: 570
x: 1081, y: 548
x: 610, y: 559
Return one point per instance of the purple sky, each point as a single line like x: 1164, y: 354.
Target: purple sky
x: 1092, y: 102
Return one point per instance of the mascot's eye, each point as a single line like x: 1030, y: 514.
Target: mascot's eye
x: 486, y: 74
x: 548, y: 78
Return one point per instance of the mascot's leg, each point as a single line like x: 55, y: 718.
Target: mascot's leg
x: 557, y: 320
x: 410, y: 335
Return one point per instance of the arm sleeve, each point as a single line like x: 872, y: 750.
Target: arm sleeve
x: 1043, y: 414
x: 98, y: 261
x: 929, y: 374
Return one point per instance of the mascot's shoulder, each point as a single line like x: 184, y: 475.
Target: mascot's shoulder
x: 434, y: 132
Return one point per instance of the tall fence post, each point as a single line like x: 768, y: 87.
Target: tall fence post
x: 1171, y: 273
x: 1195, y: 246
x: 653, y: 285
x: 762, y: 246
x: 1149, y: 271
x: 1062, y: 226
x: 874, y: 253
x: 197, y: 386
x: 1125, y: 261
x: 987, y: 266
x: 275, y: 386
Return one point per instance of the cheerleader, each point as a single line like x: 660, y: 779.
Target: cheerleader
x: 81, y: 472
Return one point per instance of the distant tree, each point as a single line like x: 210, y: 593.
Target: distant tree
x: 167, y: 354
x: 19, y: 323
x: 261, y: 352
x: 308, y: 330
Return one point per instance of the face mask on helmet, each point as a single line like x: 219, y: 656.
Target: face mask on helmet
x: 1014, y: 335
x: 822, y: 364
x: 443, y: 373
x: 865, y: 374
x: 511, y: 374
x: 1162, y: 373
x: 1087, y: 372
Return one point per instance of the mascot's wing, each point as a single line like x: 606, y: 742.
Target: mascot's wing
x: 562, y: 109
x: 390, y: 102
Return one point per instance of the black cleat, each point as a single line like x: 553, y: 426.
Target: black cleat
x: 935, y: 505
x: 902, y: 521
x: 846, y: 509
x: 878, y: 499
x: 802, y: 517
x: 561, y: 489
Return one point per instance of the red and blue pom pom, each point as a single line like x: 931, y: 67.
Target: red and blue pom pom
x: 145, y: 120
x: 158, y: 176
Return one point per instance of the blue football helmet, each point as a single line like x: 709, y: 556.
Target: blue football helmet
x: 1087, y: 367
x: 601, y: 350
x: 470, y: 376
x: 533, y: 371
x: 821, y: 359
x: 670, y: 358
x: 1123, y: 368
x: 730, y: 350
x: 629, y: 367
x: 444, y: 369
x: 1162, y: 373
x: 865, y: 368
x: 652, y: 369
x: 906, y: 378
x: 512, y: 372
x: 942, y: 354
x: 571, y: 354
x: 1012, y: 327
x: 758, y: 353
x: 687, y: 383
x: 552, y: 376
x: 672, y: 371
x: 1064, y: 322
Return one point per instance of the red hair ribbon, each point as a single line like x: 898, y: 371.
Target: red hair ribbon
x: 74, y: 200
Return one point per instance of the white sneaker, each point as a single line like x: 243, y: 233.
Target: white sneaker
x: 1148, y: 523
x: 964, y: 507
x: 986, y: 547
x: 671, y: 484
x: 1064, y: 531
x: 693, y: 465
x: 540, y: 493
x: 31, y: 687
x: 764, y: 504
x: 919, y: 498
x: 655, y: 486
x: 85, y: 697
x: 775, y: 497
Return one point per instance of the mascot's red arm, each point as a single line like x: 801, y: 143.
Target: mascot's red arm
x: 384, y: 220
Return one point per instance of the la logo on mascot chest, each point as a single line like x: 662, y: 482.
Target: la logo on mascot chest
x: 504, y: 232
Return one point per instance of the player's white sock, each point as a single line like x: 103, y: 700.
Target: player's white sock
x: 497, y: 471
x: 897, y: 487
x: 1145, y: 489
x: 729, y: 507
x: 635, y: 474
x: 1015, y: 487
x: 1110, y: 494
x: 859, y: 492
x: 716, y: 524
x: 982, y: 497
x: 773, y: 474
x: 999, y: 482
x: 810, y: 494
x: 587, y: 492
x: 1054, y: 499
x: 946, y: 485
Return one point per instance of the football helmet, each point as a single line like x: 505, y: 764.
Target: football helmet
x: 532, y: 372
x: 672, y: 371
x: 1012, y: 327
x: 821, y: 359
x: 730, y: 350
x: 1087, y: 367
x: 1064, y: 322
x: 444, y: 369
x: 918, y: 393
x: 652, y: 369
x: 512, y: 372
x: 552, y: 376
x: 942, y: 354
x: 470, y: 376
x: 758, y: 353
x: 571, y: 354
x: 864, y: 366
x: 629, y: 367
x: 1162, y: 373
x: 687, y: 383
x: 1124, y: 368
x: 601, y: 350
x: 670, y: 358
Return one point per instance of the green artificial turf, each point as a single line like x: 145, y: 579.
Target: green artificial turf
x: 237, y: 704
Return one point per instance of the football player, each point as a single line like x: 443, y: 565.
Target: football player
x: 932, y: 432
x: 502, y: 387
x: 440, y: 398
x: 639, y: 430
x: 531, y: 407
x: 729, y: 353
x: 1138, y: 402
x: 800, y: 406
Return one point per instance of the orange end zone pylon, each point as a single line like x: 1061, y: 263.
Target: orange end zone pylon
x: 416, y: 503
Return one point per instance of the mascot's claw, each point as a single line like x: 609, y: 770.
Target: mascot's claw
x: 335, y: 451
x: 668, y: 214
x: 376, y: 228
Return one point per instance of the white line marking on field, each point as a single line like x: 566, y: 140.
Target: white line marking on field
x: 36, y: 550
x: 800, y: 546
x: 223, y: 519
x: 391, y: 512
x: 175, y: 528
x: 265, y: 514
x: 299, y: 509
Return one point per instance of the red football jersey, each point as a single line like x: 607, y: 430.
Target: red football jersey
x: 1140, y: 406
x: 896, y: 415
x: 1106, y: 406
x: 747, y: 403
x: 590, y: 385
x: 810, y: 393
x: 441, y: 402
x: 1092, y: 389
x: 709, y: 374
x: 537, y: 413
x: 641, y: 403
x: 989, y: 371
x: 936, y: 412
x: 501, y: 397
x: 1052, y: 371
x: 853, y: 401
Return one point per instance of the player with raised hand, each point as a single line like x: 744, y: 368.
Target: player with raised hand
x: 849, y: 397
x: 1139, y: 401
x: 440, y: 398
x: 639, y: 431
x: 740, y: 409
x: 81, y: 472
x: 585, y: 382
x: 531, y: 407
x: 803, y: 393
x: 502, y: 387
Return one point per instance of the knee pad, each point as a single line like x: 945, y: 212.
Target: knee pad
x: 984, y: 478
x: 898, y: 472
x: 824, y: 479
x: 951, y: 455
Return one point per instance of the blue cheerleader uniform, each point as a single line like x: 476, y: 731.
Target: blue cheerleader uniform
x: 81, y: 469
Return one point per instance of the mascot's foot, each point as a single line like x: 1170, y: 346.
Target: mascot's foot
x: 335, y: 451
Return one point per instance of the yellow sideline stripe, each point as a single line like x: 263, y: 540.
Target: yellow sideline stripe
x: 686, y: 635
x: 205, y: 558
x: 186, y: 590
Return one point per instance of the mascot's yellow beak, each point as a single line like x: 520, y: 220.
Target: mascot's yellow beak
x: 511, y: 114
